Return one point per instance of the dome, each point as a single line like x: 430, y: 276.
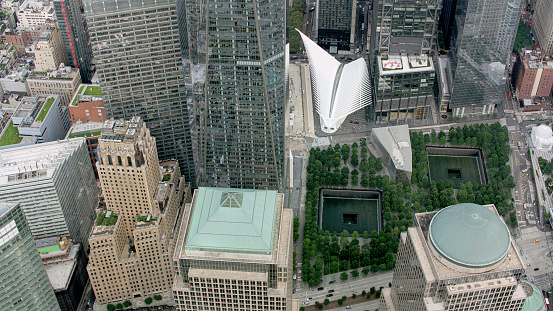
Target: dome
x: 534, y: 301
x: 543, y: 131
x: 469, y: 235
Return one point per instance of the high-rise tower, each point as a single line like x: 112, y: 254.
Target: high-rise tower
x: 74, y: 36
x: 26, y: 285
x: 481, y: 43
x: 139, y: 64
x: 404, y: 35
x: 543, y: 24
x: 235, y: 71
x: 131, y: 244
x: 336, y: 24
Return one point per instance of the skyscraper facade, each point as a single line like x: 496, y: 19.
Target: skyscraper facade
x: 543, y: 24
x: 139, y: 64
x: 336, y: 24
x: 55, y: 185
x: 404, y: 40
x: 25, y: 285
x: 74, y: 36
x: 481, y: 43
x: 235, y: 70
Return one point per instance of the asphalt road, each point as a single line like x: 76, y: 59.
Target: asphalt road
x: 346, y: 288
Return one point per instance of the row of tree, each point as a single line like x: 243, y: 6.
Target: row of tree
x: 296, y: 21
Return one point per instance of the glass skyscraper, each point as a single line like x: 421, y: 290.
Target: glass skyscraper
x: 481, y: 42
x: 24, y: 284
x: 404, y: 36
x: 234, y: 60
x: 336, y: 24
x: 74, y: 36
x: 138, y: 59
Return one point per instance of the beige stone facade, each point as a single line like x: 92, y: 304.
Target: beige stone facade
x: 49, y: 52
x: 132, y: 244
x: 63, y: 82
x: 425, y: 281
x: 225, y: 281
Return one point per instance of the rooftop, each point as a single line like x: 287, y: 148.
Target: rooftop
x: 89, y: 129
x: 397, y: 142
x: 469, y: 235
x: 535, y: 301
x: 59, y: 272
x: 107, y: 219
x: 404, y: 64
x: 121, y: 131
x: 65, y: 73
x: 33, y: 161
x: 10, y: 136
x: 227, y: 220
x: 87, y: 93
x: 45, y: 108
x: 6, y: 206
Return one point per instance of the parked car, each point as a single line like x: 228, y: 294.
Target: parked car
x: 331, y: 291
x: 329, y: 295
x: 320, y: 288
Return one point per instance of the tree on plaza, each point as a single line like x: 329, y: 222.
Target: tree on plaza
x: 343, y: 276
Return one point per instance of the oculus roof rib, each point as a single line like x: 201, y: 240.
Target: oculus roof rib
x: 338, y: 89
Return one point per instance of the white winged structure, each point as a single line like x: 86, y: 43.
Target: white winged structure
x: 338, y: 89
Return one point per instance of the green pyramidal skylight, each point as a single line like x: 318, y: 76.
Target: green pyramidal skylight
x: 233, y: 221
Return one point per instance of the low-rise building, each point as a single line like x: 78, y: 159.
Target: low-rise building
x: 542, y: 137
x: 63, y: 82
x: 18, y: 38
x: 234, y: 251
x: 87, y: 105
x: 34, y: 13
x: 14, y: 82
x: 65, y: 265
x: 393, y: 144
x: 42, y: 117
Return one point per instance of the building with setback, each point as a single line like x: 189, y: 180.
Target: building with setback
x: 25, y: 285
x: 132, y: 242
x: 138, y: 59
x: 336, y: 23
x: 404, y: 36
x: 234, y: 252
x: 460, y: 258
x: 74, y: 36
x: 481, y: 43
x: 235, y: 73
x: 55, y: 185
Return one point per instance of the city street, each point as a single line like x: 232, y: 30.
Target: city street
x: 345, y: 288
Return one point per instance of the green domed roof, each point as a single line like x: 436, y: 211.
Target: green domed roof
x: 534, y: 301
x: 469, y: 235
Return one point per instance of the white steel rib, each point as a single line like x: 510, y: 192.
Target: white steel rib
x: 338, y: 89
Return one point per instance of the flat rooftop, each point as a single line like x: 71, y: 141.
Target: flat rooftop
x: 66, y: 74
x: 32, y: 161
x: 87, y: 93
x: 59, y: 272
x: 404, y: 64
x: 228, y: 220
x: 10, y: 136
x: 89, y: 129
x: 107, y: 219
x: 397, y: 142
x: 122, y: 131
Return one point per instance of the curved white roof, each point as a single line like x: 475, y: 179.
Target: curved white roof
x: 338, y: 89
x: 544, y: 131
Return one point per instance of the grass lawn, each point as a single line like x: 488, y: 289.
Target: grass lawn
x: 335, y: 208
x: 45, y: 109
x: 11, y: 136
x: 523, y: 37
x: 93, y: 90
x: 438, y: 166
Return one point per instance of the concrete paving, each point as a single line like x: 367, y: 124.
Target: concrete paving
x: 536, y: 255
